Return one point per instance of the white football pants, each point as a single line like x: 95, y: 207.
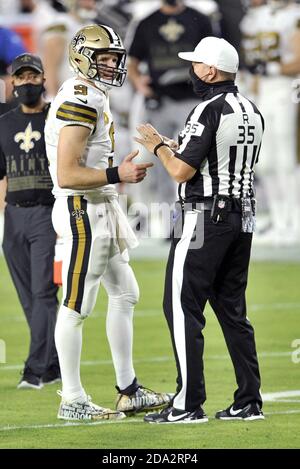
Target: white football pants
x: 91, y: 255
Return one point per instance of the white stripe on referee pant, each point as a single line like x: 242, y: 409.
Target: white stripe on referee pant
x: 181, y: 249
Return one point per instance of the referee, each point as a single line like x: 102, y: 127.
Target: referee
x: 29, y: 238
x: 214, y: 165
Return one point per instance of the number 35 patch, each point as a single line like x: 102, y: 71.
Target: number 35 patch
x: 193, y: 128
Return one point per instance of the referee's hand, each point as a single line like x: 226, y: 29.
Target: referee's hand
x: 149, y: 137
x: 131, y: 172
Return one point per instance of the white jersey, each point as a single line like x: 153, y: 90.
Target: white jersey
x: 80, y: 103
x: 250, y: 27
x: 267, y: 33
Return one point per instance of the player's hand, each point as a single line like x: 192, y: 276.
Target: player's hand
x: 149, y: 136
x: 131, y: 172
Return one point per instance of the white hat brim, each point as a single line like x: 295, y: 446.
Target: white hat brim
x: 190, y: 56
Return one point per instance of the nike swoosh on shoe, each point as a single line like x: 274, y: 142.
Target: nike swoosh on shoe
x: 175, y: 418
x: 235, y: 412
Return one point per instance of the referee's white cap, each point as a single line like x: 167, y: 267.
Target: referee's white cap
x: 216, y: 52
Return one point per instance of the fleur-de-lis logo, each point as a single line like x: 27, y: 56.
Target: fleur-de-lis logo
x: 172, y: 30
x: 77, y: 41
x: 25, y: 58
x: 27, y: 138
x: 77, y: 213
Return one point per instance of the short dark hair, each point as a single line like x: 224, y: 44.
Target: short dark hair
x: 227, y: 76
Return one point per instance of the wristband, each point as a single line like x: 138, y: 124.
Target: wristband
x: 112, y: 175
x: 161, y: 144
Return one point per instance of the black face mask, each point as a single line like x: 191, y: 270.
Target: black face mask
x: 26, y: 10
x: 172, y: 3
x: 199, y: 86
x: 28, y: 94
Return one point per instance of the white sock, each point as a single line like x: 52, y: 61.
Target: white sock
x: 68, y: 340
x: 119, y: 329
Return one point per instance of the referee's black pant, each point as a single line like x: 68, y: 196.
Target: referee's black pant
x: 28, y: 246
x: 216, y: 272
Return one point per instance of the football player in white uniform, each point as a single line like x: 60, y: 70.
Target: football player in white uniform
x: 274, y: 56
x: 79, y: 136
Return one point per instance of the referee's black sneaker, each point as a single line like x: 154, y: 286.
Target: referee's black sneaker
x: 52, y: 375
x: 251, y: 411
x: 172, y: 415
x: 29, y: 381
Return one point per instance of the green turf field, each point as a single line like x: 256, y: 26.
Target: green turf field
x: 28, y: 417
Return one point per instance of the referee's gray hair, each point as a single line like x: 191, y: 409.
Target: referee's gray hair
x: 228, y: 76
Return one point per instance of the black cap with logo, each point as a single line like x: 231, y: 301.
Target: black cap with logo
x: 27, y: 61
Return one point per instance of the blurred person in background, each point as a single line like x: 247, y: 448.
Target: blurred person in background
x: 155, y: 41
x: 232, y: 12
x: 272, y: 53
x: 115, y: 14
x: 211, y: 9
x: 29, y: 238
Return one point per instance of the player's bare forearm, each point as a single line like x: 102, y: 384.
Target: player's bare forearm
x: 82, y: 178
x: 71, y: 172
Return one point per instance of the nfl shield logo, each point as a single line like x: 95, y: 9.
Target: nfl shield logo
x: 221, y: 204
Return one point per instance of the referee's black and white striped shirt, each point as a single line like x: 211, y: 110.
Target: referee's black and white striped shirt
x: 221, y: 139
